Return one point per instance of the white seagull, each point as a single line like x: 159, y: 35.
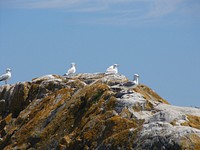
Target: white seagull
x: 132, y: 84
x: 5, y: 77
x: 112, y: 69
x: 72, y: 70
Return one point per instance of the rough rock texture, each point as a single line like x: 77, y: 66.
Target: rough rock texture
x: 92, y: 111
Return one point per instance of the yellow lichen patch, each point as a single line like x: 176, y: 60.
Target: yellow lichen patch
x: 123, y: 139
x: 65, y: 141
x: 58, y: 77
x: 137, y: 108
x: 63, y: 94
x: 117, y: 124
x: 8, y: 119
x: 149, y: 94
x: 100, y: 120
x: 107, y: 94
x: 38, y: 116
x: 75, y: 83
x: 174, y: 122
x: 94, y: 132
x: 190, y: 141
x: 148, y: 106
x: 98, y: 112
x: 92, y: 94
x: 111, y: 103
x: 194, y: 121
x: 26, y: 90
x: 196, y: 141
x: 107, y: 126
x: 126, y: 113
x: 78, y: 109
x: 95, y: 91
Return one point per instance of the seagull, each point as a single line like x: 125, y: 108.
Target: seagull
x: 112, y: 69
x: 132, y: 84
x: 5, y: 77
x: 72, y: 70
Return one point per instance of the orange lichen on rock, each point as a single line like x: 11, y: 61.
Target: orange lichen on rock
x: 35, y: 123
x: 193, y: 121
x: 149, y: 94
x: 190, y: 141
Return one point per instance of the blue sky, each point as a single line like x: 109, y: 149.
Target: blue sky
x: 158, y: 39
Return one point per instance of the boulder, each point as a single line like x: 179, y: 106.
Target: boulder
x: 92, y: 111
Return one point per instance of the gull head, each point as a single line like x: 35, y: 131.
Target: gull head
x: 136, y: 75
x: 8, y: 70
x: 115, y: 65
x: 73, y: 64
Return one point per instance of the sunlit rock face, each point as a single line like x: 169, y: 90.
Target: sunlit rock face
x: 92, y: 111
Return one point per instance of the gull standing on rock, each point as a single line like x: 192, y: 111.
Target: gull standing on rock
x: 132, y: 84
x: 72, y: 70
x: 112, y: 69
x: 5, y: 77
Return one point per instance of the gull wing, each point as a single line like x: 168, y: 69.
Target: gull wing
x: 71, y: 70
x: 129, y: 84
x: 4, y: 77
x: 109, y: 69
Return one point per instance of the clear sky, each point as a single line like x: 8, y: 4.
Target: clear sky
x: 158, y: 39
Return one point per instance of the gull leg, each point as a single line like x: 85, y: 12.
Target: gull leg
x: 5, y: 81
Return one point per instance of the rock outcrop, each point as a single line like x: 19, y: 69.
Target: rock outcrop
x: 92, y: 111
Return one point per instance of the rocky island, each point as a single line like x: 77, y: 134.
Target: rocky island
x: 91, y: 111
